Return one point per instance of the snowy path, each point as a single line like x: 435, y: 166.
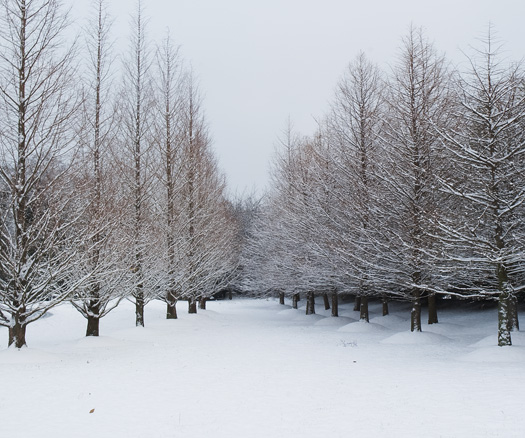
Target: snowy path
x: 249, y: 368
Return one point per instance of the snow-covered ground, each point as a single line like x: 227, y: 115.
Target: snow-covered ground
x: 252, y: 368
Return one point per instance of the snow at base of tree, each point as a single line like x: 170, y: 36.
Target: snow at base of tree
x: 245, y: 368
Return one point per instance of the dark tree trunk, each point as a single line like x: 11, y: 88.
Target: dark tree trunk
x: 326, y: 301
x: 230, y: 295
x: 357, y: 304
x: 364, y: 309
x: 17, y: 335
x: 385, y: 305
x: 432, y: 309
x: 92, y: 326
x: 310, y: 303
x: 295, y: 300
x: 513, y: 323
x: 192, y: 305
x: 202, y: 303
x: 335, y: 304
x: 415, y: 315
x: 281, y: 298
x: 139, y: 310
x: 171, y: 310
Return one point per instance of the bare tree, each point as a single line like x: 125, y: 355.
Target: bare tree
x: 38, y: 102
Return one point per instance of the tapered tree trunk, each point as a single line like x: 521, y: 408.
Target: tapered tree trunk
x: 17, y: 335
x: 295, y: 300
x: 432, y: 309
x: 513, y: 323
x: 326, y: 301
x: 281, y: 298
x: 385, y: 305
x: 363, y: 316
x: 139, y: 310
x: 310, y: 303
x: 335, y: 304
x: 202, y: 303
x: 415, y: 314
x: 171, y: 307
x: 92, y: 326
x: 357, y: 304
x: 192, y: 305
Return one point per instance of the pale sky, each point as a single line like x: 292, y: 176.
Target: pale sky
x: 260, y: 62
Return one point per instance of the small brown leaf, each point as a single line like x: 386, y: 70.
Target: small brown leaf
x: 92, y: 410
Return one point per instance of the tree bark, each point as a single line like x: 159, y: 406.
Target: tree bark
x: 357, y: 303
x: 93, y: 326
x: 326, y: 301
x: 432, y: 309
x: 202, y: 303
x: 192, y: 305
x: 281, y: 298
x: 513, y: 323
x: 364, y: 309
x: 295, y: 300
x: 171, y: 308
x: 504, y: 338
x: 310, y: 303
x: 335, y: 304
x: 385, y: 305
x: 17, y: 335
x: 230, y: 295
x: 415, y: 315
x: 139, y: 309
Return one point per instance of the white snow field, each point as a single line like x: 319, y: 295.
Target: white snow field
x: 253, y: 368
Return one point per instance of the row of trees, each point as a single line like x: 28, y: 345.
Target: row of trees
x: 412, y: 186
x: 109, y: 187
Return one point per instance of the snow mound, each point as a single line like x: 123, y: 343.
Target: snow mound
x: 389, y: 320
x: 416, y: 338
x: 496, y: 354
x: 446, y: 328
x: 331, y: 321
x: 309, y: 318
x: 362, y: 327
x: 518, y: 338
x: 288, y: 312
x: 26, y: 356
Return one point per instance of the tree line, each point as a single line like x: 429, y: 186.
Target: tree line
x: 109, y: 186
x: 412, y: 188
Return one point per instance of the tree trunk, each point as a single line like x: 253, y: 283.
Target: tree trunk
x: 230, y: 295
x: 513, y: 323
x: 192, y: 305
x: 139, y: 310
x: 335, y: 304
x: 17, y: 335
x: 415, y: 315
x: 326, y: 301
x: 385, y: 305
x: 364, y: 309
x: 504, y: 338
x: 92, y: 326
x: 171, y: 309
x: 295, y: 300
x: 202, y: 303
x: 281, y: 298
x: 310, y: 303
x: 357, y: 304
x: 432, y: 309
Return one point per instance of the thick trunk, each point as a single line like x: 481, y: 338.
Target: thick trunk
x: 513, y: 323
x: 295, y: 300
x: 335, y: 304
x: 281, y: 298
x: 415, y: 315
x: 357, y: 304
x: 202, y: 303
x: 93, y: 326
x: 385, y: 305
x: 432, y: 309
x: 192, y: 305
x: 171, y: 310
x: 17, y: 335
x: 504, y: 338
x: 139, y: 310
x: 326, y: 301
x: 364, y: 309
x: 310, y: 303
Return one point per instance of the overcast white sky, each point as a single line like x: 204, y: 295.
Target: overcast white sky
x: 259, y: 62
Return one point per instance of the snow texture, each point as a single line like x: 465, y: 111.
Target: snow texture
x: 242, y: 368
